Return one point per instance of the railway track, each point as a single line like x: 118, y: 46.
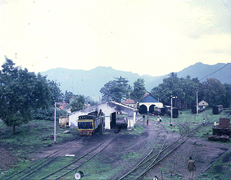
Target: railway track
x: 74, y: 165
x: 154, y: 157
x: 32, y: 168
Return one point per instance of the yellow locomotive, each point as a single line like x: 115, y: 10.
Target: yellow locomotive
x: 88, y: 124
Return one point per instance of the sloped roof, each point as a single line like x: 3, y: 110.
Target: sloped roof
x: 203, y: 102
x: 129, y: 101
x: 63, y: 105
x: 148, y: 98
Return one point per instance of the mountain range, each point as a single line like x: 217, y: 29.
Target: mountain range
x: 89, y: 83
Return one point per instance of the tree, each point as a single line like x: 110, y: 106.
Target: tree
x: 56, y: 94
x: 170, y: 86
x: 106, y: 91
x: 227, y: 98
x: 77, y: 103
x: 116, y: 90
x: 214, y: 92
x: 184, y: 88
x: 139, y: 90
x: 20, y: 92
x: 68, y: 96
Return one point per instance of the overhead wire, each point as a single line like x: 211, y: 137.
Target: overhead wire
x: 216, y: 71
x: 213, y: 22
x: 226, y: 5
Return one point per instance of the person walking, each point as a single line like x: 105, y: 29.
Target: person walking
x: 191, y: 167
x: 203, y: 122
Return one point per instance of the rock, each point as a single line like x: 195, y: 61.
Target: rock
x: 67, y: 131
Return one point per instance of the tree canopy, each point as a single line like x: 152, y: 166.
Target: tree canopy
x: 20, y: 92
x: 139, y: 90
x: 116, y: 90
x: 185, y: 89
x: 77, y: 103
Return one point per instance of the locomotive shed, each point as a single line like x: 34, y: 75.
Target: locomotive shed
x: 107, y: 109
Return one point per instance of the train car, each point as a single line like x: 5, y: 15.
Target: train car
x: 200, y: 109
x: 217, y: 109
x: 175, y: 112
x: 88, y: 124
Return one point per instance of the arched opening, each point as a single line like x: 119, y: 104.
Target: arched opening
x: 143, y: 109
x: 152, y: 109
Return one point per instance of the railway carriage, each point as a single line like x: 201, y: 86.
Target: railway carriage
x: 217, y: 109
x: 88, y: 124
x: 175, y: 111
x: 200, y: 109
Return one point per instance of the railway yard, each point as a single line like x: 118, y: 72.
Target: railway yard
x: 148, y: 151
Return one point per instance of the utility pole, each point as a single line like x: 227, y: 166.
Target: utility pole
x: 197, y: 101
x: 55, y: 124
x: 171, y: 109
x: 171, y: 112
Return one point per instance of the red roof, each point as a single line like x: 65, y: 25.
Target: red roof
x: 62, y: 105
x: 129, y: 101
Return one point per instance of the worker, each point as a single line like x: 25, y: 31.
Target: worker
x: 203, y: 122
x: 191, y: 167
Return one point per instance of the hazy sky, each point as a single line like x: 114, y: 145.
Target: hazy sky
x: 152, y: 37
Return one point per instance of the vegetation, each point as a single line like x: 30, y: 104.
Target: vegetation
x: 139, y: 90
x: 77, y: 103
x: 116, y: 90
x: 20, y: 92
x: 211, y: 90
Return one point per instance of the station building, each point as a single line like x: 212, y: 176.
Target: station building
x: 149, y: 104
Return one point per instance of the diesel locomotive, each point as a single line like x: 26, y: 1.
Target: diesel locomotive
x: 88, y: 124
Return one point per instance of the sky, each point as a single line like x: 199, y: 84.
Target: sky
x: 154, y: 37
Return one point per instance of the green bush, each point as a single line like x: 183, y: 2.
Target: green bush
x: 48, y: 114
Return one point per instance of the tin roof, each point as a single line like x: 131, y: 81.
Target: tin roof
x: 129, y: 101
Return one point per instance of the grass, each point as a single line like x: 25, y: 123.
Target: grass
x: 30, y: 138
x: 218, y: 169
x: 96, y: 169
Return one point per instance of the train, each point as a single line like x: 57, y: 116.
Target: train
x: 88, y: 124
x: 200, y: 109
x: 217, y: 109
x: 175, y: 111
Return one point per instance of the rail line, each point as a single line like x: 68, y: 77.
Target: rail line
x: 27, y: 171
x: 61, y: 172
x: 153, y: 158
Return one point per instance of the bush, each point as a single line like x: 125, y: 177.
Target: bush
x: 48, y: 114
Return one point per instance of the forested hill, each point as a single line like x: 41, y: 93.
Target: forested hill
x: 89, y: 83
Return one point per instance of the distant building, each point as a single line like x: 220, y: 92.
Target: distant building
x: 130, y: 102
x: 203, y: 104
x: 63, y: 121
x: 148, y: 105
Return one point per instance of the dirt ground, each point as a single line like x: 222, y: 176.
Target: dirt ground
x: 203, y: 152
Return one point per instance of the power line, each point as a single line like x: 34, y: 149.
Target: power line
x: 213, y: 22
x: 226, y: 5
x: 215, y: 71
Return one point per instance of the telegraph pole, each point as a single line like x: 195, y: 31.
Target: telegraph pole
x: 197, y: 101
x: 171, y: 109
x: 55, y: 124
x: 171, y: 112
